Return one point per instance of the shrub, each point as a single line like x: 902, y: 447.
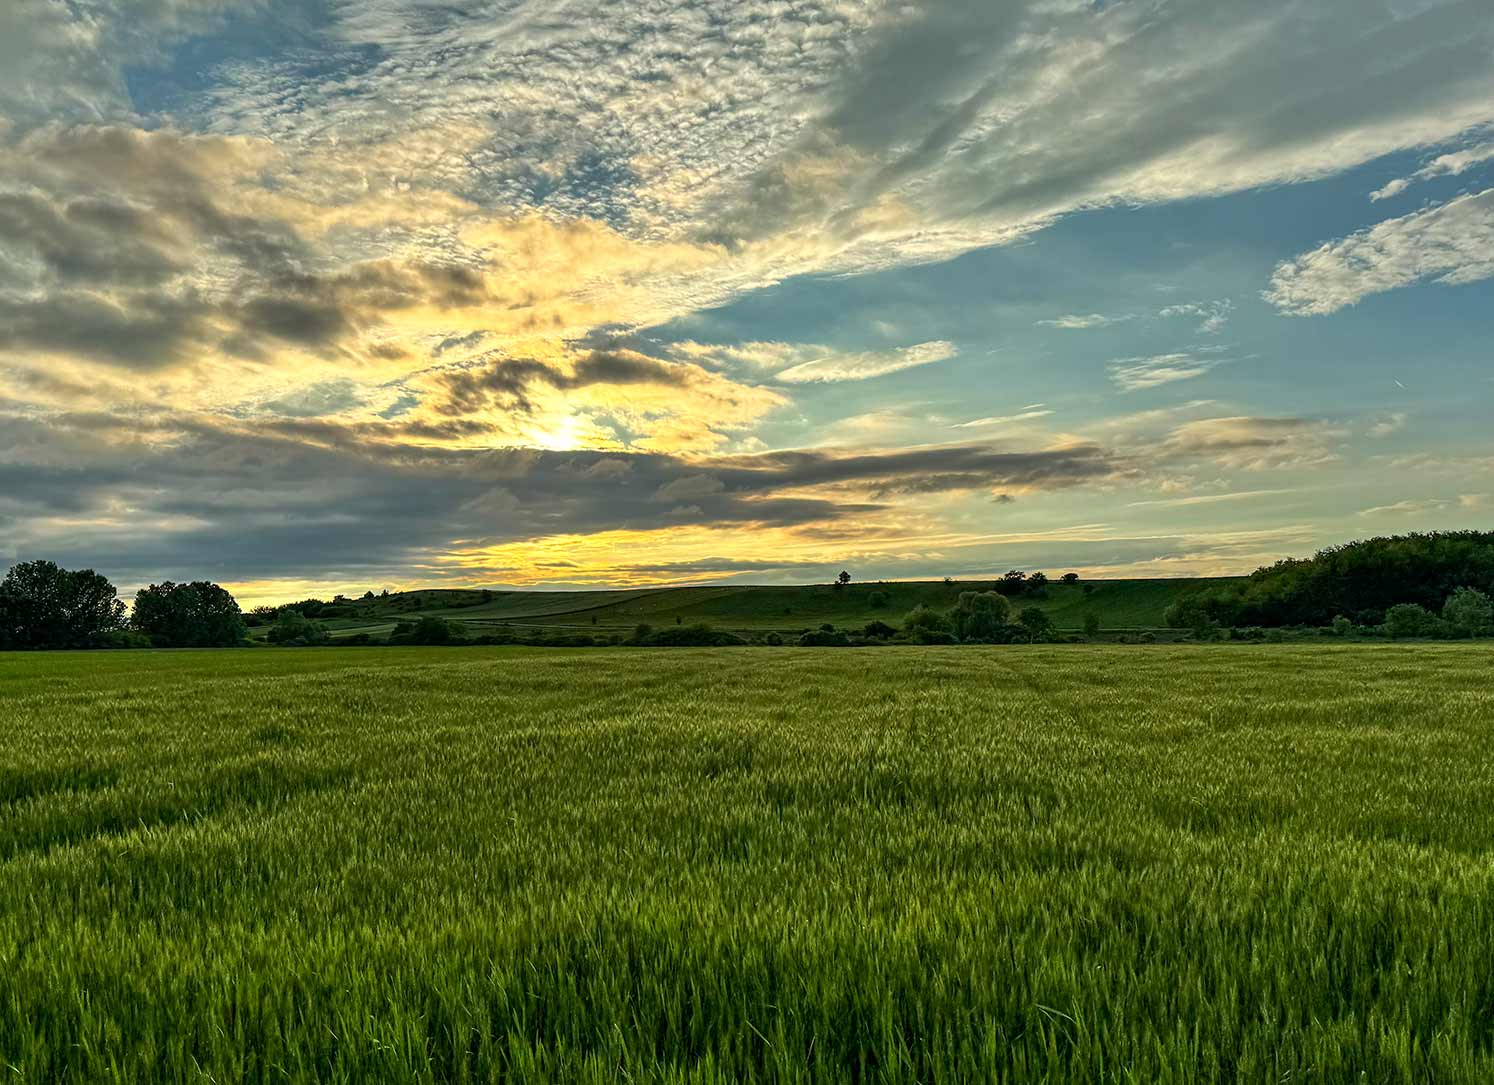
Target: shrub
x: 1342, y: 627
x: 641, y: 632
x: 1469, y: 611
x: 1091, y: 624
x: 773, y: 640
x: 1410, y: 620
x: 294, y: 630
x: 924, y: 635
x: 1036, y: 622
x: 878, y: 600
x: 824, y: 638
x: 921, y: 617
x: 1147, y: 638
x: 692, y: 636
x: 122, y: 638
x: 878, y: 631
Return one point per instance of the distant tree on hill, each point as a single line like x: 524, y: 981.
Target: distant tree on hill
x: 196, y: 615
x: 1012, y: 582
x: 843, y: 579
x: 45, y: 606
x: 1070, y: 578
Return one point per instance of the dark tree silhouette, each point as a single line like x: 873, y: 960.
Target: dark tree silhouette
x: 196, y: 615
x: 45, y: 606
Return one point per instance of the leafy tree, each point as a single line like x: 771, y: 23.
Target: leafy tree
x: 1091, y: 624
x: 1191, y: 612
x: 1469, y: 611
x: 1037, y: 623
x: 843, y: 579
x: 878, y: 631
x: 261, y: 616
x: 641, y: 632
x: 1342, y: 626
x: 1070, y: 578
x: 1012, y: 582
x: 1410, y: 620
x: 45, y: 606
x: 292, y: 629
x: 925, y: 619
x: 824, y: 638
x: 773, y: 640
x: 433, y: 630
x: 195, y: 615
x: 980, y: 616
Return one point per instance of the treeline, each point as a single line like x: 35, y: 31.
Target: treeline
x: 1436, y: 584
x: 45, y: 606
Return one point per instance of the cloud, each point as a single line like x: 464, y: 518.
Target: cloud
x: 1212, y: 315
x: 1253, y: 443
x: 1137, y: 374
x: 1447, y: 243
x: 1387, y: 424
x: 1078, y: 321
x: 868, y: 364
x: 1443, y: 165
x: 1029, y: 414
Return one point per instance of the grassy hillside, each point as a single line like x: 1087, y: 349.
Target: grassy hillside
x: 1119, y: 604
x: 1059, y: 863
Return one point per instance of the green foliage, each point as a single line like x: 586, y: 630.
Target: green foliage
x: 878, y: 631
x: 772, y: 639
x: 1192, y: 613
x: 824, y: 638
x: 1360, y: 580
x: 1091, y: 624
x: 195, y: 615
x: 925, y: 636
x: 397, y: 866
x: 926, y: 619
x: 1036, y: 622
x: 692, y: 636
x: 45, y: 606
x: 1470, y: 612
x: 1342, y: 627
x: 980, y: 616
x: 1411, y: 620
x: 292, y: 629
x: 878, y: 600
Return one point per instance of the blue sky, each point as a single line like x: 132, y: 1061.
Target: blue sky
x: 318, y: 297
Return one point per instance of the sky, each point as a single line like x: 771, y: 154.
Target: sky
x: 341, y: 295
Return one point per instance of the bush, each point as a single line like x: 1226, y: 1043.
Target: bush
x: 878, y: 600
x: 122, y: 638
x: 1342, y: 627
x: 1469, y: 611
x: 924, y: 635
x: 1147, y: 638
x: 641, y: 632
x: 1036, y: 622
x: 692, y: 636
x: 824, y: 638
x: 294, y: 630
x: 1410, y: 620
x: 1091, y: 624
x: 773, y: 640
x: 921, y: 617
x: 878, y: 631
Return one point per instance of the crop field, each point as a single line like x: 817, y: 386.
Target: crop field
x: 1189, y: 863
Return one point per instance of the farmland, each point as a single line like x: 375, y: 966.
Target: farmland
x: 1118, y: 604
x: 1152, y: 864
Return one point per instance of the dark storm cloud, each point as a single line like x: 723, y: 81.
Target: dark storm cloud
x: 507, y: 382
x: 309, y: 497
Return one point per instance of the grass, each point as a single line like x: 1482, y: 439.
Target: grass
x: 1119, y: 604
x: 1160, y: 864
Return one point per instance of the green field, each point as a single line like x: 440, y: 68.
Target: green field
x: 1072, y: 863
x: 1119, y: 604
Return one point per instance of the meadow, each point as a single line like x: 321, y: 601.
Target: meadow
x: 1190, y: 863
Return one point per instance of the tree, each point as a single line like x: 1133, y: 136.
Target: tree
x: 1091, y: 624
x: 1012, y: 582
x: 1469, y: 611
x: 195, y: 615
x: 1190, y: 612
x: 878, y: 631
x: 843, y: 579
x: 921, y: 621
x: 292, y: 629
x: 1410, y: 620
x: 980, y: 616
x: 1070, y: 578
x: 877, y: 600
x: 45, y: 606
x: 1037, y: 623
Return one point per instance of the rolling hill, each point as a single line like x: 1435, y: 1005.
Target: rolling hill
x: 1119, y: 605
